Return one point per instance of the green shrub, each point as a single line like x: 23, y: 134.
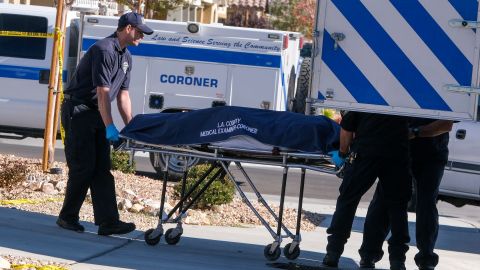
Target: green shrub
x: 12, y: 174
x: 221, y: 191
x: 121, y: 162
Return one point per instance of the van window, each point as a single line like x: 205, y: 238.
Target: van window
x: 23, y: 47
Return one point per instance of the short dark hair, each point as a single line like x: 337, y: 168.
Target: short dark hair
x: 120, y: 28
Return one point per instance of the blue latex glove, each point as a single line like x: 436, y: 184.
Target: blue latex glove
x: 112, y: 133
x: 337, y: 160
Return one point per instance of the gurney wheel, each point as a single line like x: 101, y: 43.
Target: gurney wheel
x: 172, y: 240
x: 271, y: 256
x: 151, y: 241
x: 291, y: 255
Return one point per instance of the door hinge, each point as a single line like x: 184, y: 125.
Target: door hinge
x: 459, y: 23
x: 462, y: 89
x: 337, y: 37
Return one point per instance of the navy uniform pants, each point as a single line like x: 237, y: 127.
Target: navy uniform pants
x: 88, y: 158
x: 427, y: 178
x: 395, y: 181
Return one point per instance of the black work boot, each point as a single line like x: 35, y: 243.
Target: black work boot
x: 397, y: 265
x: 118, y: 227
x: 72, y: 226
x: 367, y: 263
x: 331, y: 260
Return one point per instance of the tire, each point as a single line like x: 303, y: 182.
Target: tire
x: 271, y: 256
x: 303, y: 86
x: 291, y: 90
x: 172, y: 240
x: 175, y: 167
x: 295, y: 253
x: 151, y: 241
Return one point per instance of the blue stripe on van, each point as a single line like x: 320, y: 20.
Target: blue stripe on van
x: 24, y: 73
x: 437, y: 40
x: 198, y: 54
x: 391, y: 55
x: 19, y: 72
x: 349, y: 74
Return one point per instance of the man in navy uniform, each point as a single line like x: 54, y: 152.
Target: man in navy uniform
x: 429, y: 155
x: 378, y: 146
x: 102, y: 75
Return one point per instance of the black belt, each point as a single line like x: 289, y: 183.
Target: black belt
x: 79, y: 101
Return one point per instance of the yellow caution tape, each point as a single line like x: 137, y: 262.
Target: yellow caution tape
x: 58, y: 31
x: 60, y: 69
x: 26, y: 34
x: 32, y: 266
x: 28, y: 201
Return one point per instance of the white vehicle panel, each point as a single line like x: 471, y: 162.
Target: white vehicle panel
x: 19, y: 104
x: 182, y: 78
x: 249, y: 88
x: 21, y: 96
x: 461, y: 184
x: 462, y: 174
x: 396, y: 57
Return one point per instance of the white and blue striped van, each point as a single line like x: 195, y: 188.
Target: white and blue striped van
x: 404, y: 57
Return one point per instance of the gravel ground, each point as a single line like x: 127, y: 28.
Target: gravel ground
x: 235, y: 213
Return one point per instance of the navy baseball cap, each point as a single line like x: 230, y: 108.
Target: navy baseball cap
x: 135, y: 20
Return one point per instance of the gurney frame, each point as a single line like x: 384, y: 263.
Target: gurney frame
x: 220, y: 159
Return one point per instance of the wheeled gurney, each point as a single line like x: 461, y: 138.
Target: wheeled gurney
x: 235, y: 135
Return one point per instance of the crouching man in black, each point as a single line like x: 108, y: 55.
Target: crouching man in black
x: 378, y: 146
x: 429, y: 154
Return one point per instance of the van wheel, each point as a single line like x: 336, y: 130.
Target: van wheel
x: 176, y: 165
x: 302, y: 86
x: 291, y: 90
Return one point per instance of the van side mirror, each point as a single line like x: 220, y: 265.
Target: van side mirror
x: 44, y: 76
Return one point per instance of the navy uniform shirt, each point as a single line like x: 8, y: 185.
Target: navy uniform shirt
x: 378, y: 135
x: 428, y: 148
x: 105, y: 64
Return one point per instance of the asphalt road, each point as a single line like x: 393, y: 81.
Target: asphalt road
x: 266, y: 179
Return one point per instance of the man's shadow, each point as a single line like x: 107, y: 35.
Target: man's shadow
x: 451, y: 238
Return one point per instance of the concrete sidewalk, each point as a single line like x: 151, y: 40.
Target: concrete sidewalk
x: 206, y: 247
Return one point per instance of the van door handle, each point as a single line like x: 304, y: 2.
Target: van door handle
x: 461, y: 134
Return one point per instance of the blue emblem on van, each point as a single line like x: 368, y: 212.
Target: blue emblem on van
x: 187, y: 80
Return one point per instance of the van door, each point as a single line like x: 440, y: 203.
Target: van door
x: 462, y: 174
x: 414, y: 58
x: 256, y: 87
x: 22, y: 61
